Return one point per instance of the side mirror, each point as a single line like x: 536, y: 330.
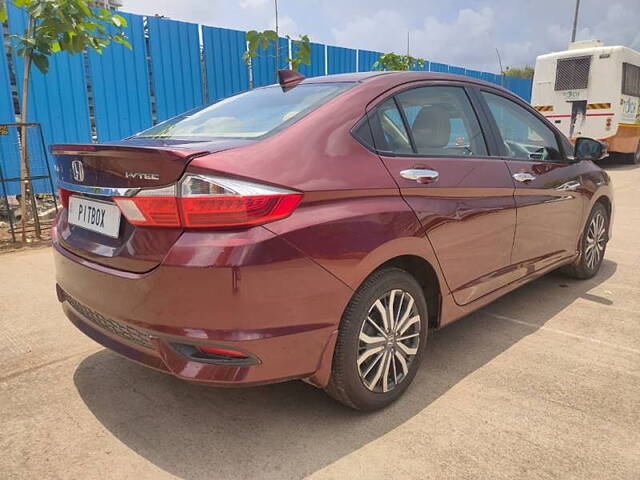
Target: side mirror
x: 589, y: 149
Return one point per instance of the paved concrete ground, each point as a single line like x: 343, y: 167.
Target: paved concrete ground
x: 544, y: 383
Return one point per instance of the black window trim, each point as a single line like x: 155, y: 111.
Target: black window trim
x: 487, y: 132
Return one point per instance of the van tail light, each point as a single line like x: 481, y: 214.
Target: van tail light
x: 199, y: 201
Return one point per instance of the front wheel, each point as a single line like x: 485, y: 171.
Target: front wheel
x: 380, y: 342
x: 592, y: 245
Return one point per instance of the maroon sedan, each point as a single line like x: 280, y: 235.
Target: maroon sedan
x: 318, y: 228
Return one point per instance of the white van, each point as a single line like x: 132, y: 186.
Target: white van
x: 593, y: 91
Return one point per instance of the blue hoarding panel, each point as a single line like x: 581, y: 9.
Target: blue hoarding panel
x: 317, y: 66
x: 340, y: 60
x: 473, y: 73
x: 366, y: 60
x: 226, y: 71
x: 439, y: 67
x: 120, y: 82
x: 456, y: 70
x: 263, y: 66
x: 519, y: 86
x: 58, y: 100
x: 9, y: 155
x: 174, y: 48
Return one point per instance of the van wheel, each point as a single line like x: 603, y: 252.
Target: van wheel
x: 592, y: 245
x: 380, y: 341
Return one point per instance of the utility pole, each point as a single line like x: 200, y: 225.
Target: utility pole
x: 407, y: 43
x: 277, y: 42
x: 575, y: 22
x: 501, y: 70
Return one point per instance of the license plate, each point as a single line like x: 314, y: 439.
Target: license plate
x: 94, y: 215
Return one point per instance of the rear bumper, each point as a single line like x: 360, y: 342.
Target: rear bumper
x: 253, y: 293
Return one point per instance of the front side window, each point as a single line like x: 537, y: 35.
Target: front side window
x: 442, y: 121
x: 252, y: 114
x: 525, y: 136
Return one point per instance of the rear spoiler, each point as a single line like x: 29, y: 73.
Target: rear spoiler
x: 95, y: 150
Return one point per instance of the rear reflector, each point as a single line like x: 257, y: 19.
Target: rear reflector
x: 208, y: 202
x: 223, y: 352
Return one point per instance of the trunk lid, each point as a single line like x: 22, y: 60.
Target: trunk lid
x: 136, y: 163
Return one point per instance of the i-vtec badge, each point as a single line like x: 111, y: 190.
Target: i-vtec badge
x: 142, y: 176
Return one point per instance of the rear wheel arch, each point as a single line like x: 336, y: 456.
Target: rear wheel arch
x: 426, y: 276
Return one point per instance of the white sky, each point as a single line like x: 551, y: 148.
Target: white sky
x: 460, y: 32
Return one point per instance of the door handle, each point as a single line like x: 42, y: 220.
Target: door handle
x: 523, y: 177
x: 420, y: 175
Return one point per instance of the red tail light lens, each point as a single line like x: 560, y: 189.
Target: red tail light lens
x: 209, y: 202
x: 64, y: 197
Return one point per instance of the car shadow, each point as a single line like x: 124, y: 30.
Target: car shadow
x: 291, y: 429
x: 614, y: 164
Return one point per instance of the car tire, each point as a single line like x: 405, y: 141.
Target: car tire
x: 634, y: 158
x: 593, y: 243
x: 375, y: 360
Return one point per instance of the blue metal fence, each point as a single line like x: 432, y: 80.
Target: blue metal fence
x: 163, y: 72
x: 341, y: 60
x: 263, y: 67
x: 120, y: 85
x: 176, y: 76
x: 318, y: 65
x: 225, y: 70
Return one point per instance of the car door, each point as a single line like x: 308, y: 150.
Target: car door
x: 429, y: 138
x: 549, y: 194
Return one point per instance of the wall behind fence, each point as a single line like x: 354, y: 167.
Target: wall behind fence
x: 173, y: 67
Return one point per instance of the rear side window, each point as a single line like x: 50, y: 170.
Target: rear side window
x: 572, y: 73
x: 252, y: 114
x: 630, y: 80
x: 392, y: 135
x: 442, y: 121
x: 525, y: 136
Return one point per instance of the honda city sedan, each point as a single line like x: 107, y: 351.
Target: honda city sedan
x: 320, y: 228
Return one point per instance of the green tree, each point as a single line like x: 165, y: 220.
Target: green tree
x: 261, y: 40
x: 519, y: 72
x: 53, y: 26
x: 393, y: 61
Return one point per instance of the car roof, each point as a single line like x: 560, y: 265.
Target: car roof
x: 392, y: 78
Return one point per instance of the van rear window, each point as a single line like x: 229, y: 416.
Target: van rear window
x: 630, y: 80
x: 572, y: 73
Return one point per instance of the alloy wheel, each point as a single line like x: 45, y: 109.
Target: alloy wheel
x: 388, y: 341
x: 596, y: 240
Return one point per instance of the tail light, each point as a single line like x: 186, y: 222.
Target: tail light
x: 64, y: 197
x: 199, y: 201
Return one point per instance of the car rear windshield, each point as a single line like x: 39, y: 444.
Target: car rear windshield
x: 252, y: 114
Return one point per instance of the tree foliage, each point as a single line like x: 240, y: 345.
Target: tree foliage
x: 519, y: 72
x: 65, y: 25
x: 261, y: 40
x: 393, y: 61
x: 302, y: 52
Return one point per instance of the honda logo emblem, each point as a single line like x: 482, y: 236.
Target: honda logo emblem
x: 77, y: 171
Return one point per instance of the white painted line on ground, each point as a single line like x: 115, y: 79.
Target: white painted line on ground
x: 562, y: 332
